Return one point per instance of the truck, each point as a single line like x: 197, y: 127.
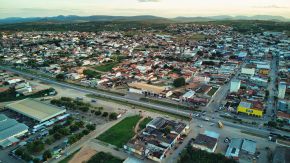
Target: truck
x: 220, y: 124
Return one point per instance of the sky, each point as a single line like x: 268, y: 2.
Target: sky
x: 164, y: 8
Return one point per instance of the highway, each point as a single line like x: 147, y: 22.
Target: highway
x: 176, y: 111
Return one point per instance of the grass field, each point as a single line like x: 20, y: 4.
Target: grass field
x: 121, y: 133
x: 106, y: 67
x: 103, y: 157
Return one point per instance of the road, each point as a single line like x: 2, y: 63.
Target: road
x: 272, y: 88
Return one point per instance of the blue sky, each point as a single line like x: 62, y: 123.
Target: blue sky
x: 164, y: 8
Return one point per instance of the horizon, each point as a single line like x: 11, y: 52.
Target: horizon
x: 160, y: 8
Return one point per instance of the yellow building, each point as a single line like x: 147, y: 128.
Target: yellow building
x: 247, y: 108
x: 264, y: 71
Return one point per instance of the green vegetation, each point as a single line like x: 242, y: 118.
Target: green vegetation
x: 103, y: 157
x: 92, y: 74
x: 10, y: 94
x: 136, y: 105
x: 188, y: 155
x: 106, y: 67
x: 145, y: 121
x: 71, y: 104
x: 212, y: 91
x: 179, y: 82
x: 121, y: 133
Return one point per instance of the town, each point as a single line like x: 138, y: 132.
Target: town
x: 145, y: 95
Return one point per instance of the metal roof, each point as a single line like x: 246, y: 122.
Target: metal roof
x: 10, y: 128
x: 35, y: 109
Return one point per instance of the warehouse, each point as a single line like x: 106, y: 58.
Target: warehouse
x: 35, y: 110
x: 9, y: 130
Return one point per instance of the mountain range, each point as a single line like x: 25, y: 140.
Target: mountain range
x: 75, y: 18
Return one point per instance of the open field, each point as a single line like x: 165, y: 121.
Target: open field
x: 106, y: 67
x: 121, y: 133
x: 83, y: 155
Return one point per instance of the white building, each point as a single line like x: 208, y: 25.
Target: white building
x: 248, y: 71
x: 235, y: 85
x: 281, y: 90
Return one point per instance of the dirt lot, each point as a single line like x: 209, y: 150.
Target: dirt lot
x: 83, y: 155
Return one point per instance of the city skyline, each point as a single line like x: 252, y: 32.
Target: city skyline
x: 163, y: 8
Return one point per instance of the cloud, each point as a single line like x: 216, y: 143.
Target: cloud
x: 270, y: 7
x: 149, y: 0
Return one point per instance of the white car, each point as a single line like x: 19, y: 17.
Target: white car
x: 58, y: 156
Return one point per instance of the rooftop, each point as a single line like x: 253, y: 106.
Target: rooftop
x: 35, y: 109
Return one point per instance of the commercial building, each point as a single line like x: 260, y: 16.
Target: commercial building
x: 250, y: 108
x: 238, y: 147
x: 35, y: 110
x: 282, y: 90
x: 235, y: 85
x: 10, y: 129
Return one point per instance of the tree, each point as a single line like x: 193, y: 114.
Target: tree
x: 98, y: 112
x: 46, y: 155
x: 105, y: 114
x: 179, y: 82
x: 272, y: 124
x: 113, y: 116
x: 60, y: 76
x: 91, y: 127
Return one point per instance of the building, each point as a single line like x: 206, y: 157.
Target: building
x: 248, y: 71
x: 159, y: 136
x: 250, y: 108
x: 35, y: 110
x: 206, y: 141
x: 238, y: 147
x: 282, y: 90
x: 10, y: 129
x: 235, y: 85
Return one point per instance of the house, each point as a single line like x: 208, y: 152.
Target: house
x: 249, y: 108
x: 159, y: 136
x: 206, y: 141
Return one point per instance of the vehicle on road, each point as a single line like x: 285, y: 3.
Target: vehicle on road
x: 206, y: 118
x: 200, y: 126
x: 220, y: 124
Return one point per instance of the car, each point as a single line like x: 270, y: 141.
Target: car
x: 200, y: 126
x: 58, y: 156
x: 227, y: 140
x: 211, y: 124
x: 93, y: 100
